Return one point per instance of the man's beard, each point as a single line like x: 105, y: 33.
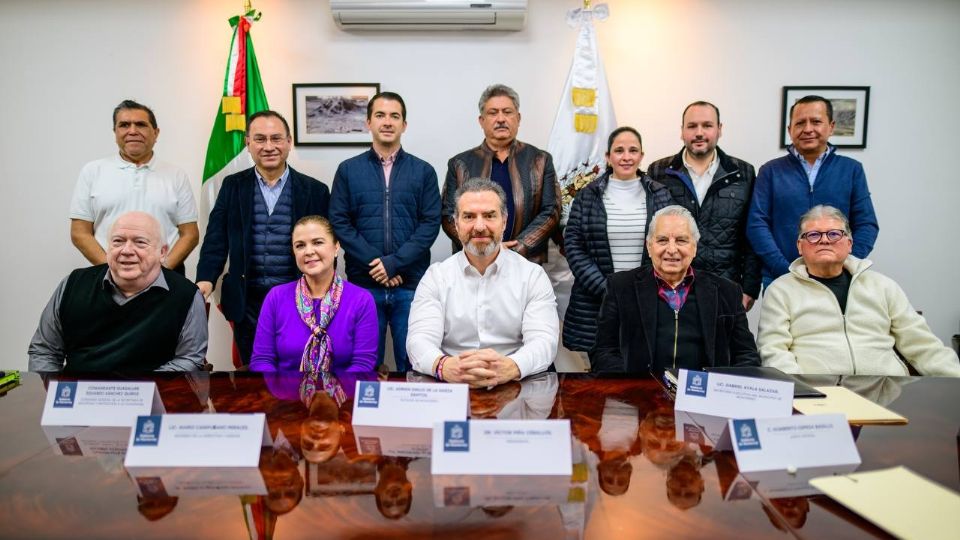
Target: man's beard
x: 476, y: 251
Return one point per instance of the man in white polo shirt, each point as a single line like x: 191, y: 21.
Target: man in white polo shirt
x: 133, y: 180
x: 484, y: 316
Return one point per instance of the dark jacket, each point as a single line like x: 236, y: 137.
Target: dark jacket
x: 231, y: 224
x: 627, y: 325
x: 723, y: 248
x: 588, y: 254
x: 536, y: 195
x: 396, y: 223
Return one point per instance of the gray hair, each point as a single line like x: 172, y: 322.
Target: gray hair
x: 477, y: 185
x: 674, y: 210
x: 497, y: 90
x: 824, y: 211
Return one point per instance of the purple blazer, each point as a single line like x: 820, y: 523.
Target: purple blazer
x: 281, y: 335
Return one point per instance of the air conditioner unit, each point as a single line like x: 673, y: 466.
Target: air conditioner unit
x: 429, y: 14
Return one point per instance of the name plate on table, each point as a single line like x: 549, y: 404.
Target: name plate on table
x: 403, y: 404
x: 502, y: 447
x: 731, y: 396
x: 99, y: 403
x: 768, y: 444
x: 197, y: 440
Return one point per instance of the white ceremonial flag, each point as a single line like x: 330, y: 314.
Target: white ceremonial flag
x: 585, y: 117
x: 577, y: 143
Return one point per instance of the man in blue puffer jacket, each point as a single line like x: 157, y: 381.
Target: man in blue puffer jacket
x: 385, y: 209
x: 810, y: 174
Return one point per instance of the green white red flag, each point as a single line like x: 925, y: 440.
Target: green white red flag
x: 243, y: 95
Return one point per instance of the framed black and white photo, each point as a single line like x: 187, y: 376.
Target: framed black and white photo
x: 332, y: 114
x: 850, y: 107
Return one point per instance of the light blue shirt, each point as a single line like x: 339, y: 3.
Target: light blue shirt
x: 812, y: 170
x: 272, y: 194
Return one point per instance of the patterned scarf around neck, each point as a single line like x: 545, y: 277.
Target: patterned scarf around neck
x: 318, y: 352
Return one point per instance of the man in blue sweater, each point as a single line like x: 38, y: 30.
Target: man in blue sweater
x: 385, y: 209
x: 810, y: 174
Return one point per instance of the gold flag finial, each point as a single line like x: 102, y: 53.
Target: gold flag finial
x: 586, y: 4
x: 247, y: 8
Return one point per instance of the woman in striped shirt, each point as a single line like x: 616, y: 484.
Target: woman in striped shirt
x: 605, y: 232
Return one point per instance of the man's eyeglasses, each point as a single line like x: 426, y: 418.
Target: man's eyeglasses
x: 833, y: 236
x: 275, y: 139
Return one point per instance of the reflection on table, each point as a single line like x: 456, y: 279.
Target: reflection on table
x: 639, y: 469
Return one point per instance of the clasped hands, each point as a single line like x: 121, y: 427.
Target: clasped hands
x: 379, y: 274
x: 482, y: 368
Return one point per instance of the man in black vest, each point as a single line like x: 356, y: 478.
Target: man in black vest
x: 686, y: 319
x: 129, y: 314
x: 251, y: 223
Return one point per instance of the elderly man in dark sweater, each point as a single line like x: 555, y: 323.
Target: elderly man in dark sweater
x: 129, y: 314
x: 670, y: 316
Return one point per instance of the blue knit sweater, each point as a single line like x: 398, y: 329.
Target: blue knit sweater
x: 782, y: 194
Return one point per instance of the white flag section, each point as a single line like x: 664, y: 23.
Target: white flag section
x: 577, y: 143
x: 585, y: 117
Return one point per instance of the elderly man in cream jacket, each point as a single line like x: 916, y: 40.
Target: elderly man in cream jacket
x: 833, y: 315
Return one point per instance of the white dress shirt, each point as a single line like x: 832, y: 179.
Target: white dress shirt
x: 511, y: 309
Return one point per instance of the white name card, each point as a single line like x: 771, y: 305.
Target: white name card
x: 197, y: 440
x: 500, y: 447
x: 403, y: 404
x: 730, y: 396
x: 99, y: 403
x: 767, y: 444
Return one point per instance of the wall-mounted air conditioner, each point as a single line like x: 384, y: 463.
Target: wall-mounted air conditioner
x: 429, y: 14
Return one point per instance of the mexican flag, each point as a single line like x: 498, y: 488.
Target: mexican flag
x: 242, y: 96
x: 585, y: 116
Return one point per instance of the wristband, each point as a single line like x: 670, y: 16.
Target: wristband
x: 439, y: 372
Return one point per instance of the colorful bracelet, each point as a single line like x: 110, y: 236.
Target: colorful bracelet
x: 439, y: 372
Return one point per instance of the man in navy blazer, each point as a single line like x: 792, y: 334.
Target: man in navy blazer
x: 251, y: 224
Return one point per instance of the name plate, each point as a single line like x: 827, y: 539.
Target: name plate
x: 502, y: 447
x: 403, y: 404
x: 197, y: 440
x: 730, y: 396
x: 767, y: 444
x: 99, y: 403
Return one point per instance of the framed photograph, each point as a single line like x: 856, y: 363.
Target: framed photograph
x: 332, y: 114
x: 850, y: 107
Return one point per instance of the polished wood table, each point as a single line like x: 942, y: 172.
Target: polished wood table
x: 632, y: 477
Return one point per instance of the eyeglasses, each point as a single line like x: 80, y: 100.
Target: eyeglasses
x: 833, y: 236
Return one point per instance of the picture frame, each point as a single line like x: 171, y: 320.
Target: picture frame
x: 331, y: 114
x: 851, y: 108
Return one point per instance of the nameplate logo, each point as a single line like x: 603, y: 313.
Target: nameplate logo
x: 746, y: 435
x: 697, y: 383
x: 65, y: 394
x: 456, y: 437
x: 369, y: 394
x: 148, y: 431
x: 152, y: 487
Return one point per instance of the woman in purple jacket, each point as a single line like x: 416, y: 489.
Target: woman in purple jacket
x: 319, y: 323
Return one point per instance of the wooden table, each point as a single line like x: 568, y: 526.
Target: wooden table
x: 633, y: 478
